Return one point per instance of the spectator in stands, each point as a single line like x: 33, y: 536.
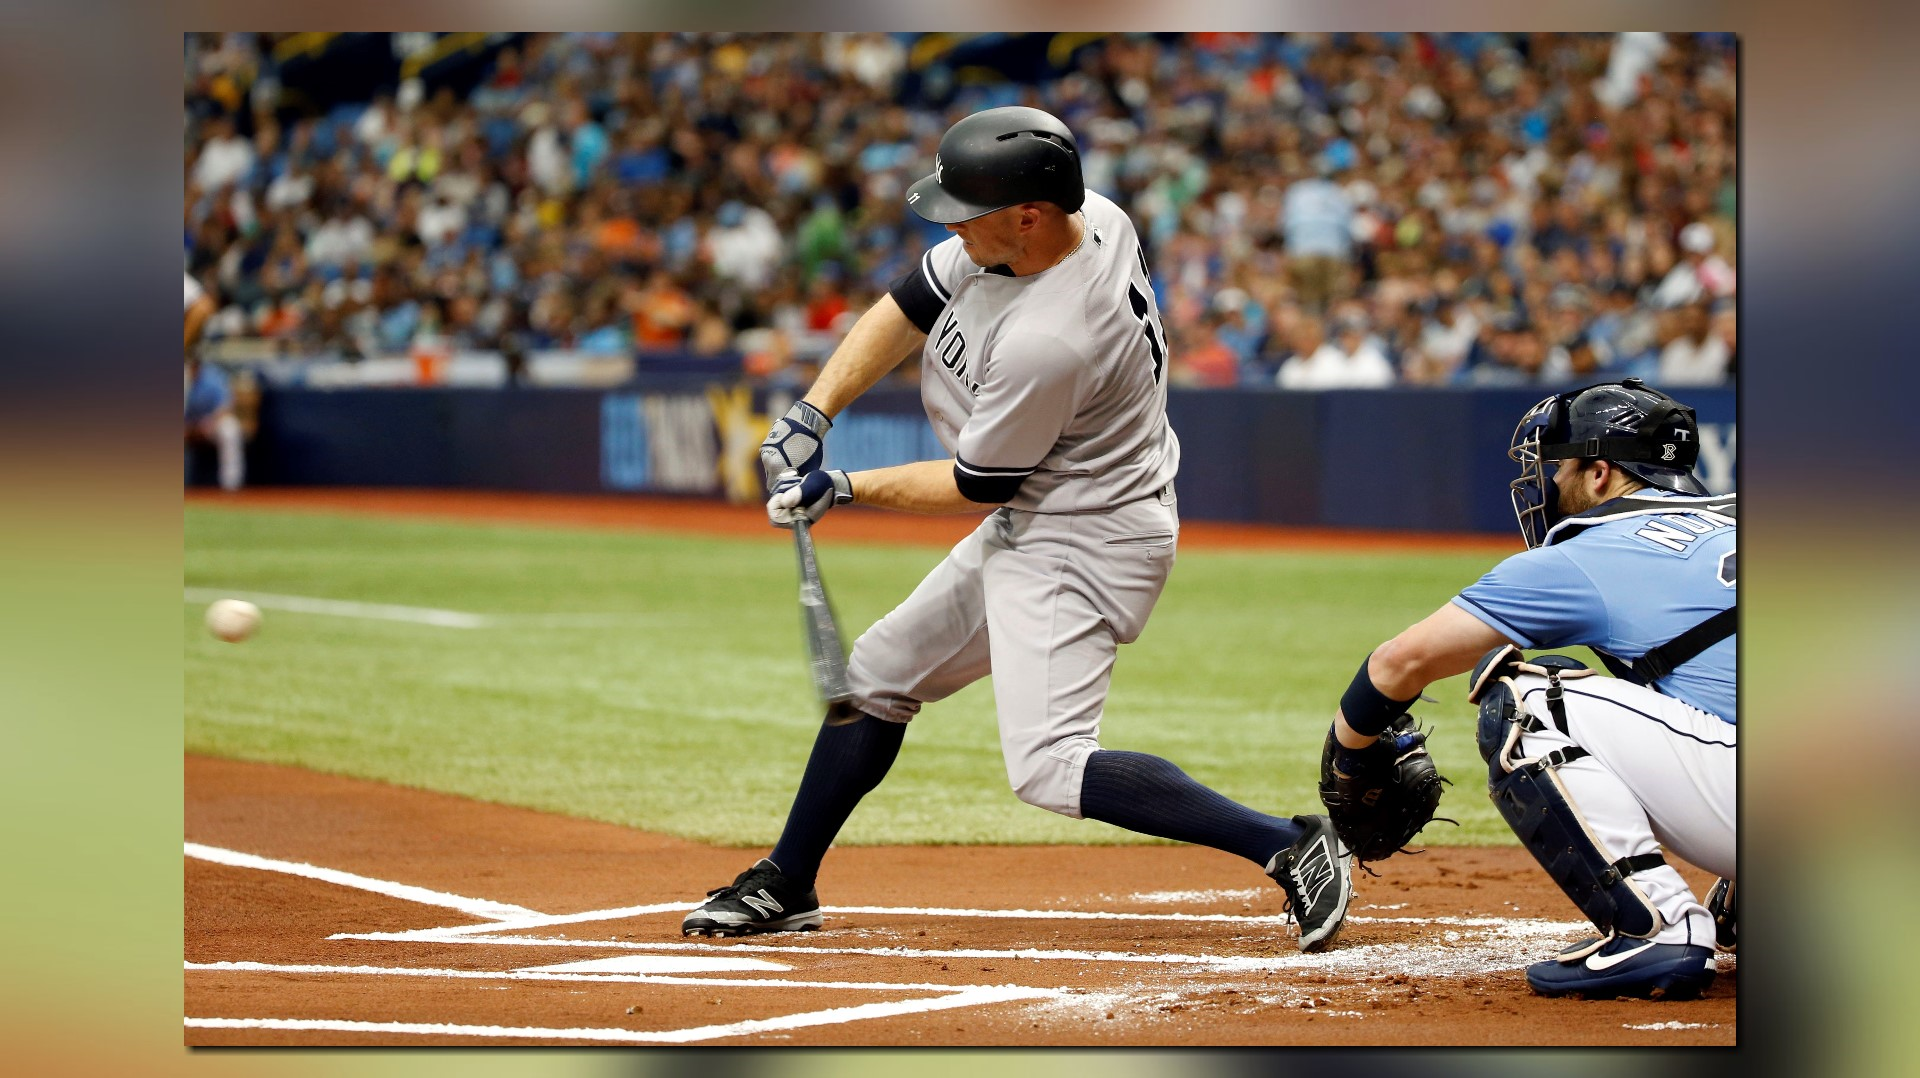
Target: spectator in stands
x: 1318, y: 221
x: 1206, y: 360
x: 1512, y: 356
x: 1446, y: 337
x: 1699, y: 275
x: 225, y: 158
x: 1694, y: 355
x: 663, y: 313
x: 1349, y: 361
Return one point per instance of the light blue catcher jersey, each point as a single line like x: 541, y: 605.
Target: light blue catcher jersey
x: 1624, y: 585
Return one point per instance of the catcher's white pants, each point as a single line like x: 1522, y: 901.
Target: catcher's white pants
x: 1661, y: 774
x: 1041, y: 601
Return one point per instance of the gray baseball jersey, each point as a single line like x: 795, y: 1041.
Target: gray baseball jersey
x: 1055, y: 381
x: 1054, y: 384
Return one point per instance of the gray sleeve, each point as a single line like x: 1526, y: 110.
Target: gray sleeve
x: 1031, y: 392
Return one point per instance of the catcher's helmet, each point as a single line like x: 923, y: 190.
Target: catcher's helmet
x: 999, y: 158
x: 1641, y: 430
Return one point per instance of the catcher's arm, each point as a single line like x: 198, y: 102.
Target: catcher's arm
x: 1447, y: 642
x: 1377, y: 779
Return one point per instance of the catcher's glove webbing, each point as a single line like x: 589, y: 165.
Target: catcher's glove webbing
x: 1381, y: 796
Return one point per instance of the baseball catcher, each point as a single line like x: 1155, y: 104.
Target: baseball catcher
x: 1630, y: 556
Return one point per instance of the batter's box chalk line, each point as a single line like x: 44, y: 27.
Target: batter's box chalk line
x: 1479, y: 945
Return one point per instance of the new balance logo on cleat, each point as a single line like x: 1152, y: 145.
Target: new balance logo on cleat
x: 763, y: 903
x: 759, y: 900
x: 1315, y: 874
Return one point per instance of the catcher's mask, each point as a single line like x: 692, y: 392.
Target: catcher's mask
x: 1641, y: 430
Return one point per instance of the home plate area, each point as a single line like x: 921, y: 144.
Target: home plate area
x: 324, y: 923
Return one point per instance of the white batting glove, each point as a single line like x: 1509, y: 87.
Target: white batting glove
x: 809, y: 496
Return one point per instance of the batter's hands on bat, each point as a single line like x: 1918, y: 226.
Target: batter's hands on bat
x: 809, y: 496
x: 795, y: 442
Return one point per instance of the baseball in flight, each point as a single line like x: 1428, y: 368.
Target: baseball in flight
x: 233, y: 620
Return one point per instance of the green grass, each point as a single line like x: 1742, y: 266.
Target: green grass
x: 686, y: 708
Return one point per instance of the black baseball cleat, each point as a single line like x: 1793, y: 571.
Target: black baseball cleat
x: 1726, y: 921
x: 759, y: 900
x: 1315, y: 872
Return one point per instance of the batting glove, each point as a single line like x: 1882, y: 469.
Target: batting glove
x: 795, y: 442
x: 810, y: 496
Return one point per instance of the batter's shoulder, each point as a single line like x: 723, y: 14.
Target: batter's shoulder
x: 1036, y: 354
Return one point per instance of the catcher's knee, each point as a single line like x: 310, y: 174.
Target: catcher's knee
x: 1530, y: 797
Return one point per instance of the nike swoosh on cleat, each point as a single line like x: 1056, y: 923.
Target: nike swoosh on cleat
x: 1605, y: 962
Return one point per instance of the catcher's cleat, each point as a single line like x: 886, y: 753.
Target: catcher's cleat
x: 1726, y: 923
x: 1315, y: 874
x: 759, y: 900
x: 1624, y: 966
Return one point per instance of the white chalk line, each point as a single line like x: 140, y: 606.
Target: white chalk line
x: 1369, y: 957
x: 544, y: 920
x: 966, y: 997
x: 418, y: 615
x: 623, y: 912
x: 549, y: 975
x: 475, y: 907
x: 1222, y: 961
x: 1171, y: 897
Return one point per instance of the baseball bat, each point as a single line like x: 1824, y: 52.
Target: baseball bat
x: 826, y: 660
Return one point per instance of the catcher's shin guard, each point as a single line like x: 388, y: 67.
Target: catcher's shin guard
x: 1530, y: 797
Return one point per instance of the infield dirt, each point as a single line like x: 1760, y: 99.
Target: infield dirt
x: 1432, y: 954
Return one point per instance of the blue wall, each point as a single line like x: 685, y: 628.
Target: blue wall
x: 1415, y: 459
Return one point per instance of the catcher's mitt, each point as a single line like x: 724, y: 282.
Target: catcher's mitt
x: 1392, y: 793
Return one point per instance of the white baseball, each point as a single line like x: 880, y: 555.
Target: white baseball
x: 232, y: 620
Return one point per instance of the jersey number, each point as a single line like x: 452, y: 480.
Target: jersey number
x: 1151, y: 328
x: 1728, y: 565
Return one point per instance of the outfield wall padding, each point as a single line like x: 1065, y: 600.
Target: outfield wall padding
x: 1408, y: 459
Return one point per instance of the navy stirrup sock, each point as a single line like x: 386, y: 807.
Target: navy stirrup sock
x: 846, y: 764
x: 1152, y: 796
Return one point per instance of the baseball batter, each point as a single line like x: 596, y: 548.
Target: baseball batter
x: 1628, y: 555
x: 1043, y: 369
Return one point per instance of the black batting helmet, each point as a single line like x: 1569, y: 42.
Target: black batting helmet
x: 999, y: 158
x: 1641, y: 430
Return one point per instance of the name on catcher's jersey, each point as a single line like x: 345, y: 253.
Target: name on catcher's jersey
x: 1625, y: 586
x: 1058, y: 376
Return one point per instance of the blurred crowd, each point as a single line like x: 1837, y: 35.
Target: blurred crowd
x: 1320, y: 210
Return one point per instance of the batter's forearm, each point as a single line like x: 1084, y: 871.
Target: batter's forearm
x: 922, y: 487
x: 876, y: 344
